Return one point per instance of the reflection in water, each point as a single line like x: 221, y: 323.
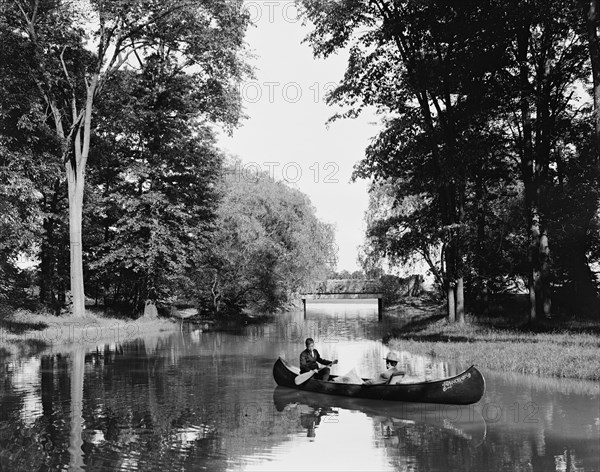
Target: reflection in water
x: 461, y: 420
x: 312, y: 419
x: 197, y: 401
x: 75, y: 438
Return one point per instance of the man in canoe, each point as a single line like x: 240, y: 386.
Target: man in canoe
x: 310, y: 360
x: 391, y: 363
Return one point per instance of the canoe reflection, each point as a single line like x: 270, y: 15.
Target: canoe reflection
x: 463, y: 421
x: 311, y: 418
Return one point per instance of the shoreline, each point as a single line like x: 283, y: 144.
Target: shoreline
x: 553, y: 348
x: 25, y: 333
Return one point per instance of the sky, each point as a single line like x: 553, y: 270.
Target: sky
x: 286, y: 132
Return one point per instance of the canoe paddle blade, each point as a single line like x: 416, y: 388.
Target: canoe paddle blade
x: 300, y: 379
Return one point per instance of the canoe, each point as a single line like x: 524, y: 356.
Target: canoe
x: 463, y: 389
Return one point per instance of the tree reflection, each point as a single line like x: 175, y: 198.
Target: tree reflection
x: 162, y: 404
x: 76, y: 438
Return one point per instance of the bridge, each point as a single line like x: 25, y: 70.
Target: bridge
x: 350, y: 289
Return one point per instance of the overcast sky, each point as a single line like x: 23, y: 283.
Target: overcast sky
x: 285, y: 132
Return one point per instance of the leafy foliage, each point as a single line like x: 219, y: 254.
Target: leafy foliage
x: 28, y: 164
x: 152, y: 185
x: 268, y: 245
x: 71, y: 54
x: 484, y: 139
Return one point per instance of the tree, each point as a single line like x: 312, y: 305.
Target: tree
x: 401, y: 226
x: 466, y: 90
x: 28, y: 160
x: 547, y: 60
x: 591, y: 19
x: 153, y: 185
x: 75, y: 48
x: 425, y: 65
x: 268, y: 246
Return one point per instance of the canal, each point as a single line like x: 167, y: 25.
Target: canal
x: 197, y: 400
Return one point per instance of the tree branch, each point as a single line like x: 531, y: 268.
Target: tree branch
x: 28, y: 21
x: 35, y: 9
x: 64, y: 67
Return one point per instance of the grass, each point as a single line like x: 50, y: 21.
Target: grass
x: 25, y: 333
x: 555, y: 348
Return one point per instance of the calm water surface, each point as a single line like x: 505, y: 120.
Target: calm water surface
x: 208, y: 401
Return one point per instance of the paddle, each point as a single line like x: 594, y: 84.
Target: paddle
x: 307, y: 375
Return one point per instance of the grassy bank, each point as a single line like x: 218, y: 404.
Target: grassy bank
x: 24, y: 333
x: 554, y: 348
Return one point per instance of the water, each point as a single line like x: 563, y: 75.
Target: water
x: 208, y: 401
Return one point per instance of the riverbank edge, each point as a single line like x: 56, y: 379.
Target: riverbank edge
x: 549, y: 349
x: 25, y: 333
x: 39, y: 332
x: 564, y: 352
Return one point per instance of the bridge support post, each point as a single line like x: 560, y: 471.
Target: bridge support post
x: 380, y: 309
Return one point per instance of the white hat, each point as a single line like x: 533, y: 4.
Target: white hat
x: 392, y: 356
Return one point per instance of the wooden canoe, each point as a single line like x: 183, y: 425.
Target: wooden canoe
x: 463, y: 389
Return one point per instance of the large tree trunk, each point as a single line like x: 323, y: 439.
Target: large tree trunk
x: 460, y: 267
x: 75, y: 185
x: 481, y: 248
x: 527, y: 170
x: 450, y: 281
x: 75, y: 168
x: 546, y: 293
x: 448, y: 216
x: 535, y: 285
x: 543, y: 146
x: 150, y: 310
x: 532, y: 299
x: 592, y: 20
x: 451, y: 306
x: 47, y: 265
x: 460, y: 300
